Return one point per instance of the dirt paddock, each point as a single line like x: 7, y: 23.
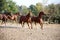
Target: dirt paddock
x: 16, y: 32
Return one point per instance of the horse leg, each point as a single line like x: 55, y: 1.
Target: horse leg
x: 41, y: 25
x: 22, y: 24
x: 5, y: 21
x: 28, y: 25
x: 14, y: 20
x: 31, y: 26
x: 35, y: 23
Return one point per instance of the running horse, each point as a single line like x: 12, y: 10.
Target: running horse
x: 38, y: 19
x: 3, y: 18
x: 26, y: 19
x: 13, y: 17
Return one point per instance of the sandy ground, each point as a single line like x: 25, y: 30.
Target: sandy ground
x: 16, y: 32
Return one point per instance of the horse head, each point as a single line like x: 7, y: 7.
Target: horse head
x: 41, y: 13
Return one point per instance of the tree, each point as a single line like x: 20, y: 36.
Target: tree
x: 8, y: 5
x: 12, y: 7
x: 53, y: 11
x: 39, y: 7
x: 36, y: 8
x: 2, y: 5
x: 23, y: 9
x: 33, y: 9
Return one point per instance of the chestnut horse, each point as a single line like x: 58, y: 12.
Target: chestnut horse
x: 38, y: 19
x: 3, y: 18
x: 8, y: 16
x: 13, y: 17
x: 26, y: 19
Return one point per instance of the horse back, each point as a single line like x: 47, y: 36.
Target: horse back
x: 35, y: 19
x: 22, y: 18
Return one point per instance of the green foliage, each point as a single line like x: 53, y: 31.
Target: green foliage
x: 54, y: 12
x: 39, y: 7
x: 23, y: 9
x: 33, y: 9
x: 36, y: 8
x: 8, y: 5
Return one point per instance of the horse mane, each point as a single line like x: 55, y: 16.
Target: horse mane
x: 28, y: 15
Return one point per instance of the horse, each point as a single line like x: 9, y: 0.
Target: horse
x: 13, y: 17
x: 26, y: 19
x: 3, y: 18
x: 38, y: 19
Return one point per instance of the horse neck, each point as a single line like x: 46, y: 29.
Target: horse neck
x: 28, y: 15
x: 9, y: 16
x: 40, y: 16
